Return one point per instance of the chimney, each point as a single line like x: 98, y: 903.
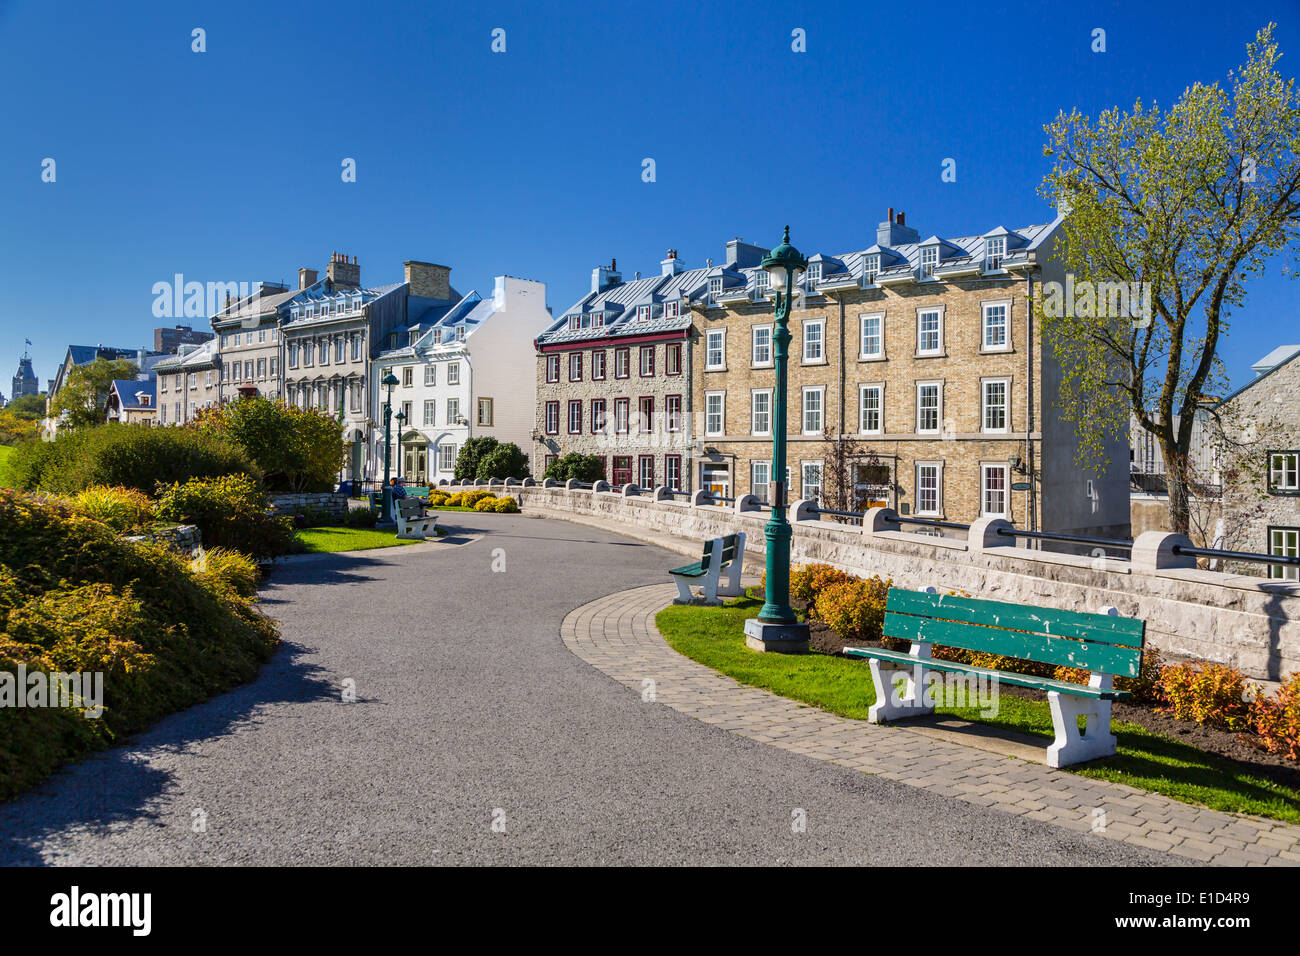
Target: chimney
x: 742, y: 255
x: 895, y: 232
x: 602, y: 277
x: 901, y: 220
x: 306, y: 277
x: 428, y: 280
x: 671, y: 266
x: 342, y: 273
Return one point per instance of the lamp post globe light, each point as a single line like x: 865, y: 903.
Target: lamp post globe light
x: 776, y: 628
x: 389, y: 381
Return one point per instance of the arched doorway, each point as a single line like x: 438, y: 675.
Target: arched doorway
x: 415, y: 457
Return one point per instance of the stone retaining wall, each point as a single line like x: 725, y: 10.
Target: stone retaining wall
x: 1248, y: 622
x: 184, y: 539
x: 333, y: 502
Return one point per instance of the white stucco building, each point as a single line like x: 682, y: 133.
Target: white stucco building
x: 467, y: 374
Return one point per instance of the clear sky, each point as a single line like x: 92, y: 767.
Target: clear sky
x: 225, y: 166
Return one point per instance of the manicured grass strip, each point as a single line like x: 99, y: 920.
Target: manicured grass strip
x: 5, y: 452
x: 715, y: 638
x: 327, y: 540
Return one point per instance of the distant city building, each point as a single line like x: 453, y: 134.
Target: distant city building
x: 131, y: 401
x: 187, y: 383
x: 170, y: 340
x: 248, y: 344
x: 25, y: 382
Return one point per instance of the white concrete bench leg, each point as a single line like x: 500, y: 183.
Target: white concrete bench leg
x: 892, y: 702
x: 683, y: 588
x: 731, y: 588
x: 1072, y: 746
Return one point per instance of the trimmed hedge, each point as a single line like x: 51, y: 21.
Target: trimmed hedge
x: 230, y: 512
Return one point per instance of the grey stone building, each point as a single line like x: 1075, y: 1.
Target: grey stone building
x: 248, y: 342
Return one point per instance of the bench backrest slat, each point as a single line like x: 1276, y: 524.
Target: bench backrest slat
x: 409, y: 508
x: 1094, y: 642
x: 729, y: 548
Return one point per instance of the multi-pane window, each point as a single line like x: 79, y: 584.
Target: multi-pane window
x: 307, y: 348
x: 261, y: 368
x: 812, y: 480
x: 927, y: 407
x: 575, y: 416
x: 248, y: 373
x: 672, y: 412
x: 453, y: 412
x: 673, y: 359
x: 1283, y: 471
x: 622, y: 363
x: 761, y: 413
x: 338, y: 349
x: 1284, y: 543
x: 759, y: 473
x: 431, y: 375
x: 598, y: 365
x: 873, y: 336
x: 356, y: 396
x: 812, y: 410
x: 929, y: 259
x: 995, y: 405
x: 715, y: 353
x: 762, y: 282
x: 715, y: 286
x: 447, y: 456
x: 673, y: 472
x: 622, y: 412
x: 430, y: 412
x: 275, y: 365
x: 575, y: 366
x: 871, y: 402
x: 552, y: 368
x: 993, y: 491
x: 994, y: 249
x: 813, y: 275
x: 672, y: 309
x: 453, y: 373
x: 356, y: 348
x: 643, y: 313
x: 995, y: 326
x: 713, y: 412
x: 485, y: 412
x: 871, y: 269
x: 646, y: 413
x: 646, y: 468
x: 927, y: 489
x: 929, y: 331
x: 762, y: 345
x: 813, y: 331
x: 408, y: 376
x: 552, y: 417
x: 647, y: 361
x: 598, y: 416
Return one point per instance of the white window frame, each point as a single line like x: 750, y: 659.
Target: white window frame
x: 938, y: 331
x: 820, y: 325
x: 820, y: 392
x: 754, y: 484
x: 985, y: 406
x: 1283, y: 541
x: 879, y: 389
x: 863, y: 354
x: 721, y: 398
x: 453, y: 373
x: 937, y: 385
x: 754, y: 396
x: 804, y: 466
x: 985, y: 470
x: 1283, y: 472
x: 937, y: 510
x: 995, y: 250
x: 871, y: 268
x: 754, y: 360
x: 721, y: 335
x: 430, y: 411
x: 985, y: 309
x: 447, y: 456
x: 927, y: 262
x: 431, y: 374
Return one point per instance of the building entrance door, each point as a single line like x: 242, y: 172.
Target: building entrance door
x: 622, y: 470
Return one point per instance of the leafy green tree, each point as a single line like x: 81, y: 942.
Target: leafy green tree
x: 84, y: 397
x: 297, y: 449
x: 28, y: 407
x: 1187, y: 203
x: 586, y: 468
x: 14, y: 428
x: 506, y: 460
x: 471, y: 453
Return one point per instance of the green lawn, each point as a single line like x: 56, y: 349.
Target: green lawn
x: 715, y: 637
x: 329, y: 539
x: 5, y: 452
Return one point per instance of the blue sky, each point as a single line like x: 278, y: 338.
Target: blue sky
x: 225, y: 165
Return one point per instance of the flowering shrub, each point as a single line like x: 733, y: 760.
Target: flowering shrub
x: 1210, y: 694
x: 230, y: 512
x: 808, y: 581
x: 505, y: 505
x: 228, y: 572
x: 855, y: 609
x: 122, y: 509
x: 1145, y: 688
x: 1276, y: 719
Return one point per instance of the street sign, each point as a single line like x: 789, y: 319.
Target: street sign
x: 1020, y: 486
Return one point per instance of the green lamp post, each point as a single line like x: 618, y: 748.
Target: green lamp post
x: 776, y: 628
x: 389, y: 381
x: 401, y: 423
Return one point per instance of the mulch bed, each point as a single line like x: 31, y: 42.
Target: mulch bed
x: 1222, y: 743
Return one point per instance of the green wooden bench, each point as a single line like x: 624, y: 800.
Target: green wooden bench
x: 377, y: 501
x: 725, y: 553
x: 1105, y: 644
x: 417, y: 492
x: 412, y: 521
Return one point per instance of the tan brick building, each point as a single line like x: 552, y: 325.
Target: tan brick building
x: 919, y: 354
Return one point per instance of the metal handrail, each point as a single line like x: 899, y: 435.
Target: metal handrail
x: 929, y: 522
x: 1071, y: 538
x: 1288, y: 560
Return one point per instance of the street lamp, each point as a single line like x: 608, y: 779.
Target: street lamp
x: 401, y: 420
x: 776, y: 628
x: 389, y: 381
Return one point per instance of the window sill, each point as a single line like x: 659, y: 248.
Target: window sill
x: 815, y: 362
x: 1005, y: 351
x: 715, y: 368
x: 929, y: 355
x: 873, y: 358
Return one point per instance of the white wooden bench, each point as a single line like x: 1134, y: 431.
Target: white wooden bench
x: 726, y: 553
x: 412, y: 522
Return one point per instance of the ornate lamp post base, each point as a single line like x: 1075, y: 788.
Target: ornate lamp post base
x: 779, y: 637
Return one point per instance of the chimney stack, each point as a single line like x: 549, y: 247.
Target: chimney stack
x: 895, y: 232
x: 343, y: 273
x: 306, y: 278
x: 891, y: 213
x: 602, y: 277
x: 427, y: 280
x: 671, y: 265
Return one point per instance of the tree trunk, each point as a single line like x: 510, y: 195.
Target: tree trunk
x: 1179, y: 505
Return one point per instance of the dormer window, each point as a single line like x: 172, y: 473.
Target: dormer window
x: 814, y: 274
x: 715, y: 286
x: 643, y: 313
x: 994, y: 249
x: 657, y: 310
x: 437, y: 336
x: 871, y: 269
x: 762, y: 281
x: 929, y: 259
x: 392, y: 340
x: 460, y: 333
x: 597, y: 319
x: 672, y: 309
x: 575, y: 322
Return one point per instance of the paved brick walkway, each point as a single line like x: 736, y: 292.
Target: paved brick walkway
x: 617, y: 635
